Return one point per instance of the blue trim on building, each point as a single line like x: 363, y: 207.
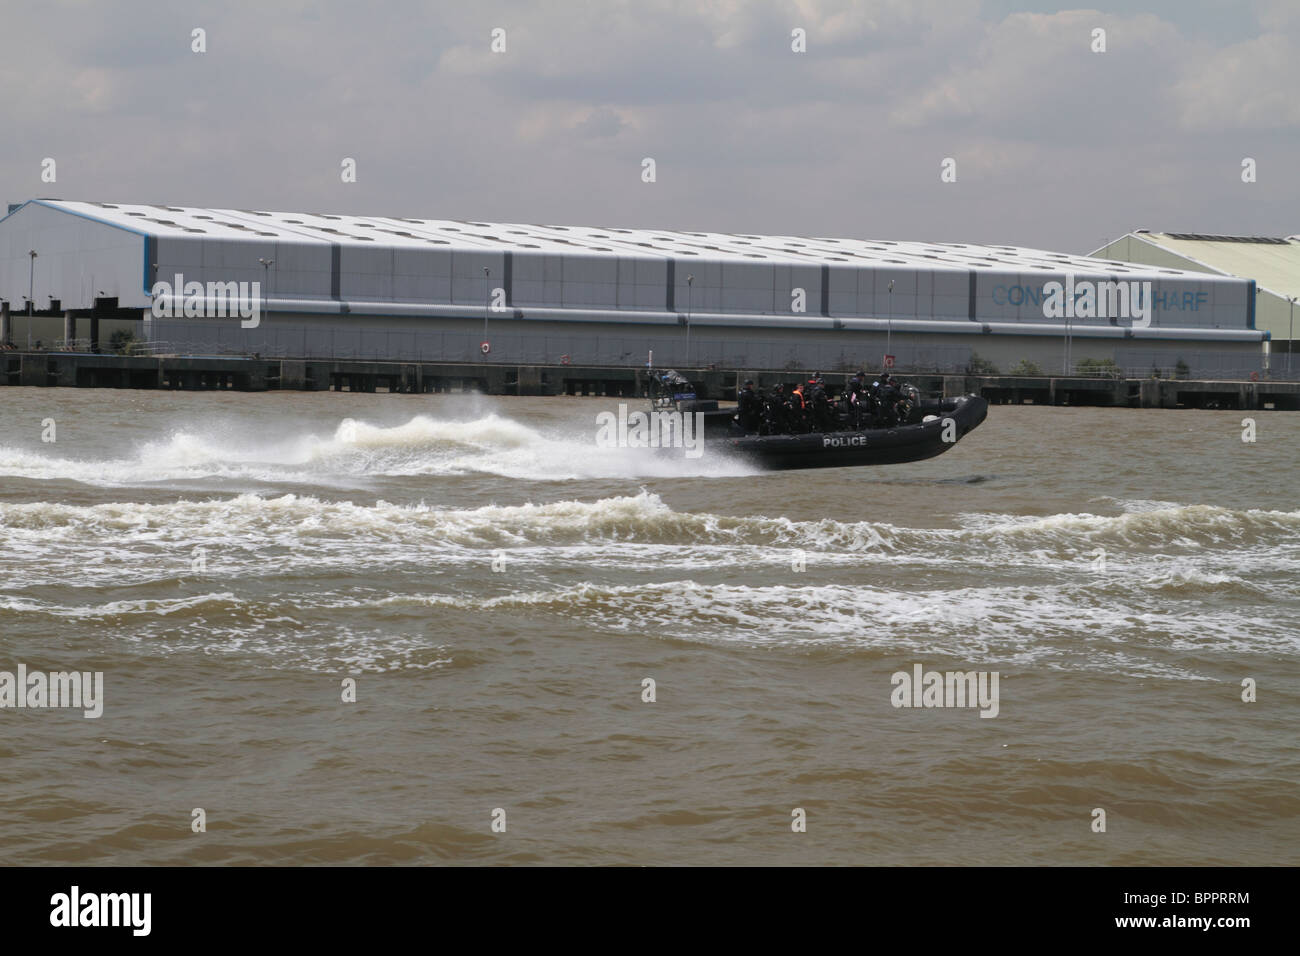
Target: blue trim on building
x: 150, y: 253
x: 82, y: 215
x: 16, y: 209
x: 1250, y: 303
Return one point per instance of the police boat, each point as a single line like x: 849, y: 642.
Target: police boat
x: 914, y: 430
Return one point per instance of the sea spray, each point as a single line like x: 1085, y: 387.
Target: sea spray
x: 354, y: 451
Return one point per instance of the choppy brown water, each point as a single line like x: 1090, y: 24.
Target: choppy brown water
x: 366, y: 549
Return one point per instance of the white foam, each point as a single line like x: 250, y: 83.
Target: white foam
x: 1017, y: 588
x: 1015, y: 625
x: 253, y: 521
x: 423, y: 445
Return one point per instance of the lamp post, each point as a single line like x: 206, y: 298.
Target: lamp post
x: 1065, y: 352
x: 1290, y: 335
x: 31, y: 300
x: 689, y: 279
x: 266, y: 295
x: 487, y: 302
x: 889, y: 320
x: 1065, y: 359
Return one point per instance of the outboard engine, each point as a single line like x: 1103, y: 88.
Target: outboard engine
x: 671, y: 389
x: 909, y: 405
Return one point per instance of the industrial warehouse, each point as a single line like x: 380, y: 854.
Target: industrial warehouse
x: 80, y: 276
x: 1273, y: 262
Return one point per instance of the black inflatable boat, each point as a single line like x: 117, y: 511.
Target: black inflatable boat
x: 931, y: 427
x: 934, y: 427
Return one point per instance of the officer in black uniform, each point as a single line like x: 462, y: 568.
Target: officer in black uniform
x: 749, y: 411
x: 777, y: 413
x: 887, y: 397
x: 857, y: 401
x: 819, y: 404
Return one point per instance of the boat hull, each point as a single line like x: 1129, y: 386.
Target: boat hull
x: 955, y: 418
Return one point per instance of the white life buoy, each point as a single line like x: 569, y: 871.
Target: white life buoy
x: 485, y: 348
x: 564, y: 359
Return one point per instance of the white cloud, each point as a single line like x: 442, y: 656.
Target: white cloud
x: 1056, y: 146
x: 1249, y: 85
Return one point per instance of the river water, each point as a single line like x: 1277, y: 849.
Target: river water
x: 499, y: 589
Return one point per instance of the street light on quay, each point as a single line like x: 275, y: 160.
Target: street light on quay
x: 1290, y: 335
x: 1066, y: 356
x: 266, y: 295
x: 889, y: 320
x: 31, y: 280
x: 1065, y: 359
x: 31, y: 300
x: 487, y: 304
x: 689, y: 279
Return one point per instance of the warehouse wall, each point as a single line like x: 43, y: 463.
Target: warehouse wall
x: 336, y: 298
x: 1214, y: 302
x: 349, y: 271
x: 532, y: 342
x: 76, y: 259
x: 1277, y: 316
x: 1272, y: 311
x: 303, y: 269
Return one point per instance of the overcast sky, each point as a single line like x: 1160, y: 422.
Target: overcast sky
x: 1055, y: 146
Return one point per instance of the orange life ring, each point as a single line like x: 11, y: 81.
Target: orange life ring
x: 1254, y: 376
x: 564, y: 359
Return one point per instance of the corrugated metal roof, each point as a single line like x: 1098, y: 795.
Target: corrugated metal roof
x: 186, y: 221
x: 1274, y: 263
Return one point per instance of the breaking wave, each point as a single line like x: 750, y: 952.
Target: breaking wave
x: 279, y: 569
x: 492, y: 445
x: 643, y: 518
x: 1067, y: 625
